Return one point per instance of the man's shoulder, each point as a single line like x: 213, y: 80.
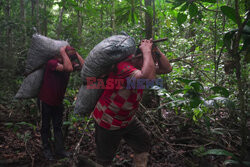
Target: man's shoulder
x: 52, y: 64
x: 52, y: 61
x: 124, y: 64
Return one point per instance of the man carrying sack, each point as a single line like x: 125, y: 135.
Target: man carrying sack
x: 114, y: 113
x: 50, y: 98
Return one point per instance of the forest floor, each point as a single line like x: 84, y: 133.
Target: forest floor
x: 176, y: 140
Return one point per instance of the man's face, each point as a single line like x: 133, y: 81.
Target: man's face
x: 71, y: 52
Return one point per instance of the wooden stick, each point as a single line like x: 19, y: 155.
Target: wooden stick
x: 160, y: 40
x: 77, y: 148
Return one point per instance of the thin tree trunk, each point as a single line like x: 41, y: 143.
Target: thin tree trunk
x: 8, y: 30
x: 59, y: 26
x: 153, y: 12
x: 154, y: 19
x: 141, y: 16
x: 247, y: 5
x: 215, y: 43
x: 241, y: 86
x: 23, y: 18
x: 79, y: 24
x: 148, y: 21
x: 101, y: 17
x: 141, y: 10
x: 113, y: 16
x: 37, y: 17
x: 45, y: 21
x: 32, y: 12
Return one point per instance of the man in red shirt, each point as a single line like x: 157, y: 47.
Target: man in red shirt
x: 50, y: 98
x: 114, y: 113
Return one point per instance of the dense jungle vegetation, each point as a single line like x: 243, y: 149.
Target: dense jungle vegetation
x: 199, y: 118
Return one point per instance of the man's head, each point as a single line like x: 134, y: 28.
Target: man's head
x: 71, y: 52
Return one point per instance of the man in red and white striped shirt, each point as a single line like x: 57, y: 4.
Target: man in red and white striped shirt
x: 114, y: 113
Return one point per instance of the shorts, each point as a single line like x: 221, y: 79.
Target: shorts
x: 107, y: 141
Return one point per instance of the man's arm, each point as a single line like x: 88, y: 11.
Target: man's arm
x: 163, y: 63
x: 66, y: 65
x: 81, y: 61
x: 148, y: 67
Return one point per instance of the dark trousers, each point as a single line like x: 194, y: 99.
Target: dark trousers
x: 54, y: 113
x: 107, y: 141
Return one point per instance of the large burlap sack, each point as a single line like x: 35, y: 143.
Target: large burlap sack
x: 99, y: 61
x: 41, y: 50
x: 31, y: 85
x: 108, y: 52
x: 86, y: 100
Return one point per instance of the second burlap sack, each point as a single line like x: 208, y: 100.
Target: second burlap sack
x: 31, y: 85
x: 41, y: 50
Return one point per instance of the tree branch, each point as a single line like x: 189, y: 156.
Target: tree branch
x: 207, y: 8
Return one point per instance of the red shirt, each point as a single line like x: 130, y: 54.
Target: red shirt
x: 54, y: 84
x: 116, y: 107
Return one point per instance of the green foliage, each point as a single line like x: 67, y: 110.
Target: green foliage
x: 221, y: 90
x: 27, y: 124
x: 25, y: 137
x: 177, y: 3
x: 16, y: 126
x: 181, y: 18
x: 234, y: 160
x: 209, y: 1
x: 229, y: 12
x: 219, y: 152
x: 246, y: 42
x: 129, y: 11
x: 197, y: 86
x: 199, y: 151
x: 228, y: 162
x: 192, y: 99
x: 193, y: 10
x: 228, y: 39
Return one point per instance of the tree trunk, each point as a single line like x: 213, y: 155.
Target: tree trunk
x: 8, y: 55
x: 154, y: 19
x: 59, y: 26
x: 215, y: 43
x: 247, y: 5
x: 23, y: 18
x: 113, y: 16
x: 32, y: 12
x: 45, y: 21
x: 8, y: 30
x: 241, y: 86
x: 148, y: 21
x: 101, y: 18
x: 37, y: 17
x: 79, y: 24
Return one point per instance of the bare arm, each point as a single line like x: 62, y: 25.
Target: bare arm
x: 66, y: 65
x: 148, y: 68
x: 163, y: 63
x: 80, y: 59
